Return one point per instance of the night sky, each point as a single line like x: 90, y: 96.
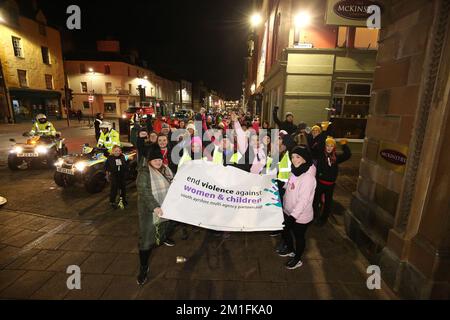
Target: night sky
x: 194, y: 39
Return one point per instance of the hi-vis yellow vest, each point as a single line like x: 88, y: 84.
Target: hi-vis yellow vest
x: 284, y: 167
x: 217, y: 157
x: 109, y: 140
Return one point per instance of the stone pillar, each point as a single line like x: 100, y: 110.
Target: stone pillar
x: 400, y: 214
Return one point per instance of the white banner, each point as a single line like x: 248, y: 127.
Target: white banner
x: 221, y: 198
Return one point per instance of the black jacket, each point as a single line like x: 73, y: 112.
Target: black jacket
x: 289, y: 127
x: 327, y: 173
x: 317, y: 145
x: 116, y: 165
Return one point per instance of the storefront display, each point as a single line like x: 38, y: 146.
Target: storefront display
x: 350, y: 109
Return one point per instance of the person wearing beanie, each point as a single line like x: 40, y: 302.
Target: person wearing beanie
x: 327, y: 173
x: 287, y: 125
x: 316, y: 141
x: 153, y: 182
x: 298, y: 206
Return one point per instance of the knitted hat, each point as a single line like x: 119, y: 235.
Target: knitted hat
x: 289, y: 114
x: 316, y: 127
x: 331, y: 141
x: 190, y: 126
x: 288, y: 142
x: 153, y: 153
x: 303, y: 152
x: 302, y: 126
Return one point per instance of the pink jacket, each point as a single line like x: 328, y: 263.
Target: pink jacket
x: 299, y: 196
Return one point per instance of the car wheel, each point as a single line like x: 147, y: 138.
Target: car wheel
x: 13, y: 162
x: 96, y: 182
x: 61, y: 180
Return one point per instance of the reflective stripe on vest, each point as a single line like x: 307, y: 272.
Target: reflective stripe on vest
x: 284, y: 168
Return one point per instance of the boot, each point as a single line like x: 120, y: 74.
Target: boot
x: 144, y: 256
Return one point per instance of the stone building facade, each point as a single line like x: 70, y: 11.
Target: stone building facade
x: 400, y: 213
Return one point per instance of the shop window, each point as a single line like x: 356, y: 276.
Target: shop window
x: 84, y: 88
x: 49, y: 81
x: 17, y: 45
x: 45, y: 55
x: 110, y: 107
x: 366, y: 38
x: 108, y: 86
x: 86, y: 105
x: 22, y: 74
x: 342, y: 35
x: 350, y: 109
x: 130, y: 88
x: 107, y: 69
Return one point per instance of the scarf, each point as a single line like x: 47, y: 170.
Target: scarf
x: 300, y: 170
x: 160, y: 183
x: 165, y: 156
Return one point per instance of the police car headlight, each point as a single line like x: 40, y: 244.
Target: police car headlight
x: 41, y: 149
x: 80, y: 166
x: 17, y: 150
x: 59, y: 163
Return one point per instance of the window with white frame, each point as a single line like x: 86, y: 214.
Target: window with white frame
x: 108, y: 87
x: 84, y: 87
x: 17, y: 45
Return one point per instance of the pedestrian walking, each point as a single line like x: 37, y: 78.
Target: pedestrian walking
x: 298, y: 206
x: 79, y: 115
x: 327, y: 173
x: 153, y: 182
x: 116, y: 171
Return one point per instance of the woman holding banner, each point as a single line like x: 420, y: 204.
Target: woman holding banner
x: 153, y: 181
x: 298, y: 206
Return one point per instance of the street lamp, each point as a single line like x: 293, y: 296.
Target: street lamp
x: 301, y: 20
x: 255, y: 20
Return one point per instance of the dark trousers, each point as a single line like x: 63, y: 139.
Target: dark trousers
x: 328, y: 191
x: 118, y: 182
x: 295, y: 234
